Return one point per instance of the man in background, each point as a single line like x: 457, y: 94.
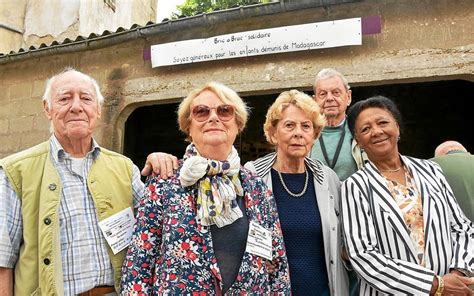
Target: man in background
x: 458, y: 167
x: 335, y: 146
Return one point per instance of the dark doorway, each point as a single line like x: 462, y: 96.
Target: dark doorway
x: 433, y: 112
x: 153, y: 128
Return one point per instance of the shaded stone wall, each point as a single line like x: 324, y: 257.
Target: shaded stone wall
x: 428, y: 41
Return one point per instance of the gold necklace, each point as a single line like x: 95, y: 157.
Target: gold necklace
x: 392, y: 171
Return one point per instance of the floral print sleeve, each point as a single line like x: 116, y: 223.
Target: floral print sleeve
x: 278, y: 269
x: 137, y: 269
x: 262, y: 200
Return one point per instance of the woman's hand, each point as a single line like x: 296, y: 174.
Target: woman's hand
x: 344, y: 254
x: 457, y: 285
x: 454, y: 285
x: 160, y: 162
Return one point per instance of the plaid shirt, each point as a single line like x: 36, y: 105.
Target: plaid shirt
x: 85, y: 260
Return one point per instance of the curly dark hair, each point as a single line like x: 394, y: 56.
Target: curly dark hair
x: 373, y: 102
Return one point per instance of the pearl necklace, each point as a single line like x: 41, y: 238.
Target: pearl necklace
x: 291, y: 193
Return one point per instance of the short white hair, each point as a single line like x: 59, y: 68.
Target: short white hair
x: 49, y: 83
x: 330, y: 72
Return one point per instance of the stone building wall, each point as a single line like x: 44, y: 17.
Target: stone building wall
x: 44, y: 21
x: 420, y: 41
x: 12, y: 14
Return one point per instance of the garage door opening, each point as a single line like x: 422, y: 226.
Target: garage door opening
x: 432, y: 111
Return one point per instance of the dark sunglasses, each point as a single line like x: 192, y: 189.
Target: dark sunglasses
x: 202, y: 112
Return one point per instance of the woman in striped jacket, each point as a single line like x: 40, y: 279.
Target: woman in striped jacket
x: 404, y: 230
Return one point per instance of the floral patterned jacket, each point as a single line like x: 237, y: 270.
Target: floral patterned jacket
x: 171, y: 254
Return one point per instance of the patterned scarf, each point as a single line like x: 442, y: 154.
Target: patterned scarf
x: 218, y: 186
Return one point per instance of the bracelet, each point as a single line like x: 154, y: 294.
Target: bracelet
x: 440, y: 289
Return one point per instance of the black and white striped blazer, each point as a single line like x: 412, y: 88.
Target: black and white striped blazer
x: 378, y: 239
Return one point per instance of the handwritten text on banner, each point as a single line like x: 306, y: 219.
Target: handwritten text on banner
x: 259, y: 42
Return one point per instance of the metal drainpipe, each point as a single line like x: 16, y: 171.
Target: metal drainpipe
x: 10, y: 28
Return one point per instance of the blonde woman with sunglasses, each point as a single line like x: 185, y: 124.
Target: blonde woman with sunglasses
x: 212, y: 228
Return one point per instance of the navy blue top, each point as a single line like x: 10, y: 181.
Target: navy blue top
x: 302, y: 232
x: 229, y: 246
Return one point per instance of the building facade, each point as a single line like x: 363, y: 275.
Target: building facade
x: 420, y: 42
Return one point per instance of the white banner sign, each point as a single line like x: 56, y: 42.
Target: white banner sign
x: 259, y: 42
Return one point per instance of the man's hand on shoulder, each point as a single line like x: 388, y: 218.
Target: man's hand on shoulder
x: 160, y: 163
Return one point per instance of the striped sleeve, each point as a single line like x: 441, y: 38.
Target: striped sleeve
x: 362, y: 234
x: 11, y: 223
x: 138, y: 188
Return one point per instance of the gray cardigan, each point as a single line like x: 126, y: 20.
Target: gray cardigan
x: 327, y: 187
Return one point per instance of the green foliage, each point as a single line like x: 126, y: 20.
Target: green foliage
x: 194, y: 7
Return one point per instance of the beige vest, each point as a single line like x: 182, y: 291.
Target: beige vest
x: 38, y: 270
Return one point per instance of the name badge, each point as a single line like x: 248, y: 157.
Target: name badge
x: 118, y: 229
x: 259, y: 241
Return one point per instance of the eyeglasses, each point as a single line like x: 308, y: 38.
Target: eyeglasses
x: 203, y: 112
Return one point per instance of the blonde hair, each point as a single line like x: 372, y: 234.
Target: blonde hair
x: 225, y: 94
x: 297, y: 99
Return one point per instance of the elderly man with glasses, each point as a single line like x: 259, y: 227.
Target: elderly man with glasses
x: 335, y: 147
